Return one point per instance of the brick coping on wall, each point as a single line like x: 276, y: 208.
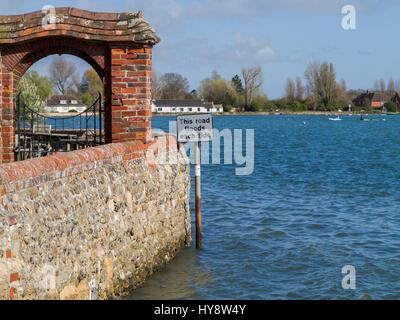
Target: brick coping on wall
x: 28, y: 173
x: 68, y: 21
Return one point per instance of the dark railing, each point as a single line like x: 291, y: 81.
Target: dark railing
x: 38, y: 135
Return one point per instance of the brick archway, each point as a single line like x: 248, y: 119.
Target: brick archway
x: 117, y: 46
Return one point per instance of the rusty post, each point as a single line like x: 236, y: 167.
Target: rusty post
x: 197, y: 173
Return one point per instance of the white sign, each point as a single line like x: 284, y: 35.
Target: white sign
x: 195, y: 128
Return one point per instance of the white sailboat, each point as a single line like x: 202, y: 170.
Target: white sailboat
x: 336, y: 119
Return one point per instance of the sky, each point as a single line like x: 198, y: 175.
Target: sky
x: 199, y: 36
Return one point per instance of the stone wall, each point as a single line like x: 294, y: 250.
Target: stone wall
x: 92, y: 223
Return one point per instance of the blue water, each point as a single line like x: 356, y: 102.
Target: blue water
x: 74, y: 122
x: 323, y: 195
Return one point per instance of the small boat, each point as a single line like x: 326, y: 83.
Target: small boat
x: 336, y: 119
x: 370, y: 120
x: 373, y: 120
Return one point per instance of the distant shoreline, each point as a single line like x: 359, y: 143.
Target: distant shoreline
x: 285, y: 113
x: 288, y: 113
x: 66, y: 114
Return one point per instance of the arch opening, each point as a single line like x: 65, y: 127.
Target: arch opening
x: 58, y: 107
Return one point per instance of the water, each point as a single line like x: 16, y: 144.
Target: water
x: 323, y: 195
x: 74, y: 122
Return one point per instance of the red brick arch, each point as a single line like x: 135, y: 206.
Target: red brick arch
x: 117, y: 46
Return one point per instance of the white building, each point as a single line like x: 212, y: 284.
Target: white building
x: 65, y: 103
x: 213, y: 108
x: 185, y: 106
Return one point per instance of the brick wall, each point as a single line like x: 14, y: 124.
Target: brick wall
x: 131, y: 93
x: 7, y: 117
x: 117, y: 46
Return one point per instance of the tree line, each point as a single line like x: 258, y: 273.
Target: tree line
x: 317, y: 90
x: 390, y: 88
x: 320, y: 91
x: 243, y: 91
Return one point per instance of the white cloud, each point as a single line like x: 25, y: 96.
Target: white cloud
x: 242, y: 51
x: 266, y: 52
x: 248, y: 49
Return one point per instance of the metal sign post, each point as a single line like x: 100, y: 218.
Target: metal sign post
x: 196, y: 128
x: 197, y: 177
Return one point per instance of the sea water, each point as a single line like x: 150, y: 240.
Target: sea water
x: 323, y: 195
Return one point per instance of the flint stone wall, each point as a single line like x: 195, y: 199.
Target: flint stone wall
x: 94, y: 223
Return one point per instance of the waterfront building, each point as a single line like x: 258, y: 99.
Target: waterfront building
x: 185, y: 106
x: 375, y: 100
x: 65, y: 103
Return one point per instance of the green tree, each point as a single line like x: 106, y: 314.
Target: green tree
x: 87, y: 99
x: 298, y: 106
x: 238, y: 85
x: 28, y: 94
x: 218, y: 90
x: 192, y: 95
x: 43, y: 84
x: 214, y: 76
x: 259, y: 103
x: 280, y: 104
x: 391, y: 106
x: 90, y: 87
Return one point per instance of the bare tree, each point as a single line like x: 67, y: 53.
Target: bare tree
x: 376, y: 85
x: 74, y: 86
x: 313, y: 83
x: 341, y: 94
x: 321, y: 83
x: 156, y: 85
x: 391, y: 87
x: 382, y: 86
x: 290, y: 91
x: 62, y: 73
x: 299, y: 89
x: 253, y: 80
x: 397, y: 85
x: 173, y: 86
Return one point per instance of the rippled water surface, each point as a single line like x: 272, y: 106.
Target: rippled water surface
x: 323, y: 195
